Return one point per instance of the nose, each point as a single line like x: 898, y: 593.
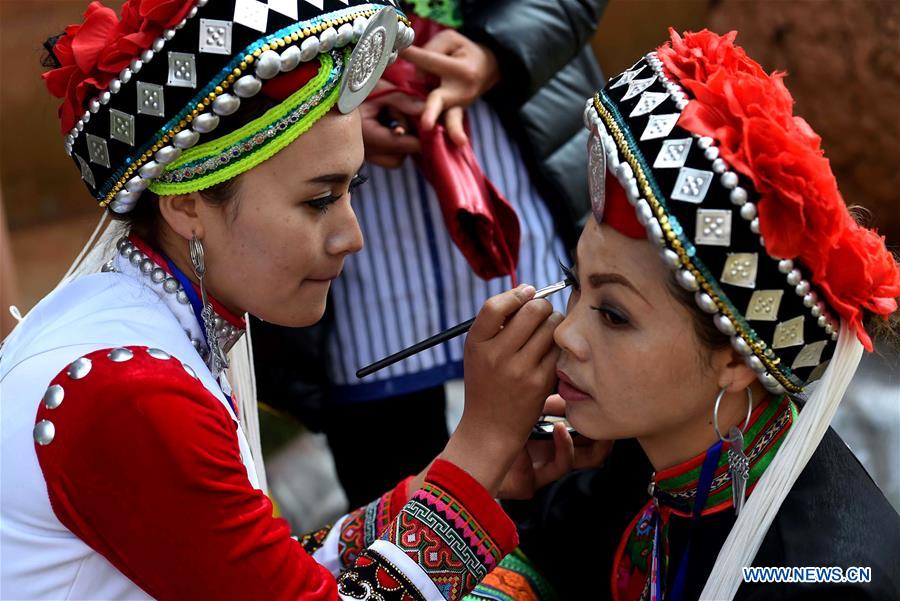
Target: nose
x: 347, y: 237
x: 567, y: 337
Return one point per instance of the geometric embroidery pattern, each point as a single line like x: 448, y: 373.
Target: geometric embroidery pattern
x: 626, y: 78
x: 648, y: 102
x: 637, y: 86
x: 374, y: 578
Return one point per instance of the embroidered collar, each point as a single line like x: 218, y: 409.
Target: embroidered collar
x: 676, y: 487
x: 138, y: 259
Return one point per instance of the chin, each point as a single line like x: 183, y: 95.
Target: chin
x: 309, y: 314
x: 587, y: 423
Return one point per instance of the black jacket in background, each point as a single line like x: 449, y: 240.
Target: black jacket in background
x: 834, y: 515
x: 548, y: 72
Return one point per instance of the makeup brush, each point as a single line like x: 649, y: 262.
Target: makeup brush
x: 448, y: 334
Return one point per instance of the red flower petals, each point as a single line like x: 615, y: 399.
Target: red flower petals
x: 801, y: 212
x: 93, y: 53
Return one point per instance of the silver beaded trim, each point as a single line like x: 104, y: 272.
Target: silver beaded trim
x: 228, y: 334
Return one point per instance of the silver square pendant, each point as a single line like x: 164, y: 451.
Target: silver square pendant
x: 86, y: 173
x: 648, y: 102
x: 252, y: 14
x: 626, y: 77
x: 97, y: 150
x: 659, y: 126
x: 740, y: 270
x: 673, y: 153
x: 788, y: 333
x: 637, y: 86
x: 215, y: 38
x: 691, y: 185
x: 810, y: 355
x: 763, y: 305
x: 121, y: 126
x: 182, y: 70
x: 713, y: 227
x: 150, y: 100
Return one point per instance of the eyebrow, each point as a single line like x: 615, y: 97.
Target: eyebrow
x: 333, y: 178
x: 596, y: 280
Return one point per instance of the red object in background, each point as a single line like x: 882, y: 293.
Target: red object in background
x: 481, y: 221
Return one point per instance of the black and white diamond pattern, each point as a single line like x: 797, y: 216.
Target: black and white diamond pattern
x: 183, y: 68
x: 97, y: 150
x: 627, y: 77
x: 659, y: 126
x: 673, y: 153
x: 150, y: 99
x: 121, y: 126
x: 648, y: 102
x: 637, y: 86
x: 691, y: 185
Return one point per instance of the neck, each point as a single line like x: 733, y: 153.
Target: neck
x: 696, y: 434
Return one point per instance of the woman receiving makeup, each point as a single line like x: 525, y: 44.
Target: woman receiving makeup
x: 223, y: 137
x: 725, y: 296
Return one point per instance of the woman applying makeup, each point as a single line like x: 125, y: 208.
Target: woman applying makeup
x: 725, y: 295
x: 222, y: 135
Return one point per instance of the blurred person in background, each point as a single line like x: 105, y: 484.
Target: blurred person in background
x: 479, y: 117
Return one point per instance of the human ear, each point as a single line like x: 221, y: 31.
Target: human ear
x: 181, y: 214
x: 733, y: 372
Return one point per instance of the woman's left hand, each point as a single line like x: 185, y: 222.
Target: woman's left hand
x: 544, y: 461
x: 466, y: 70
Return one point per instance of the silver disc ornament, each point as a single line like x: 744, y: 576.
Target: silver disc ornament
x: 368, y: 60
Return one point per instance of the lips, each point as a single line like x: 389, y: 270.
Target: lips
x: 567, y: 389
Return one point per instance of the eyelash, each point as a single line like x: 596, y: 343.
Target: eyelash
x: 322, y: 203
x: 610, y: 316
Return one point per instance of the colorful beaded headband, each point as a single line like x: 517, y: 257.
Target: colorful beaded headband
x: 709, y: 155
x: 199, y: 63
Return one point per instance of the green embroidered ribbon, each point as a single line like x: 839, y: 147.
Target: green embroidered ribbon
x: 224, y: 158
x: 445, y: 12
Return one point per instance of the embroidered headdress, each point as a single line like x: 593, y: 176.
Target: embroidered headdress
x: 716, y: 170
x: 709, y: 162
x: 144, y: 92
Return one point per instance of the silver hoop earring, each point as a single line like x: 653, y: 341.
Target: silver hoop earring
x: 216, y: 361
x: 738, y: 463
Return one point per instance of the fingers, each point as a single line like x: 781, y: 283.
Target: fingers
x: 496, y: 310
x: 563, y: 458
x: 555, y: 405
x: 523, y: 325
x: 436, y: 63
x: 541, y: 342
x: 434, y: 106
x: 454, y: 119
x: 380, y: 140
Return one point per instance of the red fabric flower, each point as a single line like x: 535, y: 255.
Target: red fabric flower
x: 93, y: 53
x: 801, y: 213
